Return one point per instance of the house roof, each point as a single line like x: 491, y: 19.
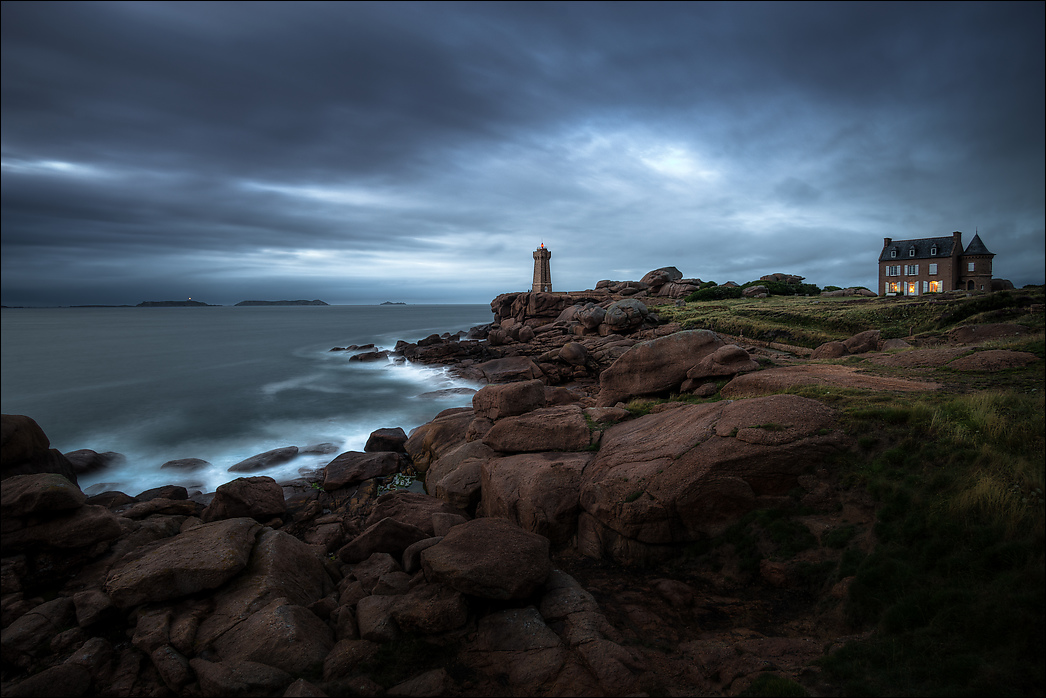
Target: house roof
x: 976, y: 246
x: 922, y: 247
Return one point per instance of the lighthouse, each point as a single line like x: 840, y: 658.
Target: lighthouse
x: 542, y: 273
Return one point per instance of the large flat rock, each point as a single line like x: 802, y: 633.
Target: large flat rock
x: 204, y: 557
x: 490, y: 558
x: 776, y: 380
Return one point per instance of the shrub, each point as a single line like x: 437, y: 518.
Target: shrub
x: 713, y: 293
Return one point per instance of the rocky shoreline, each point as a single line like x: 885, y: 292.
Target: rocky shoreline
x: 529, y: 564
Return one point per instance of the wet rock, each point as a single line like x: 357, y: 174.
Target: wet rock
x: 269, y: 459
x: 386, y: 439
x: 187, y: 465
x: 258, y: 497
x: 353, y: 466
x: 111, y: 499
x: 85, y: 461
x: 321, y: 449
x: 163, y: 507
x: 25, y: 450
x: 174, y: 492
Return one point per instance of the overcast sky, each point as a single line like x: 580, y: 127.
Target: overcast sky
x: 420, y: 152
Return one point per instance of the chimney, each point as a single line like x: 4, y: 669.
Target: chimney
x: 887, y: 241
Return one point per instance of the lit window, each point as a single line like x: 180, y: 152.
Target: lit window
x: 913, y: 288
x: 895, y: 287
x: 935, y: 287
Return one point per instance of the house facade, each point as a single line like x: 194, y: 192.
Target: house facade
x: 934, y: 265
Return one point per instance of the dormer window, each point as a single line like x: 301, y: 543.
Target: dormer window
x: 911, y: 251
x: 893, y: 253
x: 933, y: 251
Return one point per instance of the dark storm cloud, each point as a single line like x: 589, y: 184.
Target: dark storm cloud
x: 354, y: 148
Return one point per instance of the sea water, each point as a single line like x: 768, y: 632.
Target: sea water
x: 220, y: 383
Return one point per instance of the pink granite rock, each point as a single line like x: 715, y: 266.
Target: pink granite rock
x: 538, y: 492
x: 549, y: 429
x: 506, y: 399
x: 655, y: 366
x: 490, y: 558
x: 259, y: 497
x: 204, y: 557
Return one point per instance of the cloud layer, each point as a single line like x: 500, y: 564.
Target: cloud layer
x: 419, y: 152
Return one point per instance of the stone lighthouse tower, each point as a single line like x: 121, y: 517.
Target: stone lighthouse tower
x: 542, y: 273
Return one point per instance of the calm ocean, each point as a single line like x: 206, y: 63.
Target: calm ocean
x: 221, y: 383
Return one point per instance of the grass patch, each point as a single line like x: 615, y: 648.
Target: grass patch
x: 763, y: 534
x: 811, y: 321
x: 955, y: 587
x: 641, y: 407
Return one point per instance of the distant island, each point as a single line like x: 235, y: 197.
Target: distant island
x: 174, y: 304
x: 392, y: 303
x: 315, y: 302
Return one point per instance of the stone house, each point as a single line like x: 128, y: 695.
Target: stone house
x: 934, y: 265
